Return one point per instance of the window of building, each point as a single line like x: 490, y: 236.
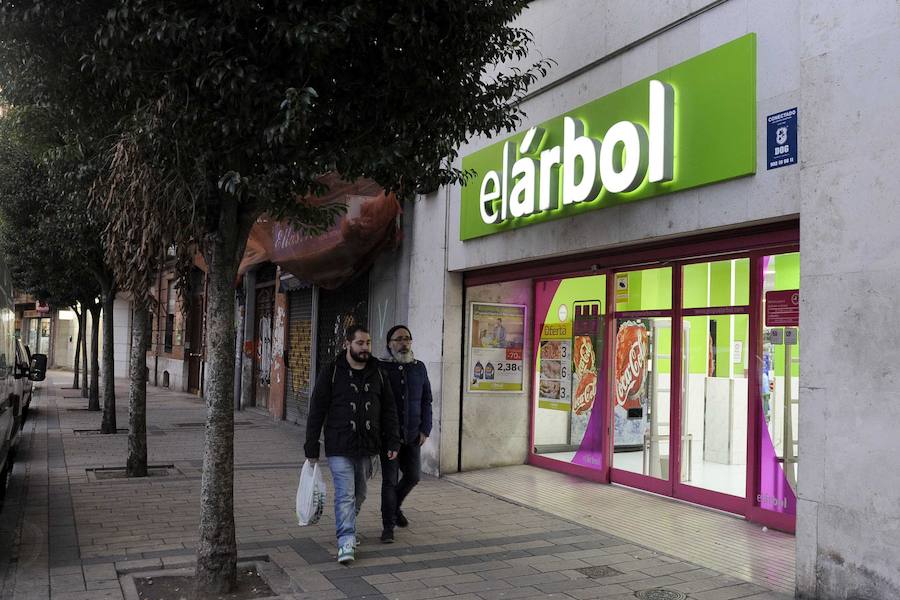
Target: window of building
x: 170, y: 317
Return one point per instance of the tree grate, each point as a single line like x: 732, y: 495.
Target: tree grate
x: 80, y: 432
x: 598, y: 572
x: 199, y: 424
x: 660, y: 594
x: 107, y: 473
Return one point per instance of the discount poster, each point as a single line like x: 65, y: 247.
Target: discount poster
x: 555, y: 363
x: 496, y: 347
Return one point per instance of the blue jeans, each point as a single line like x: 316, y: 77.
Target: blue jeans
x: 349, y: 475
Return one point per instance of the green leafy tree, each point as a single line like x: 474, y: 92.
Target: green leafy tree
x: 234, y: 110
x: 41, y: 47
x: 34, y: 235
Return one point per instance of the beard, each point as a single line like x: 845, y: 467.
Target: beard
x: 360, y: 357
x: 404, y: 357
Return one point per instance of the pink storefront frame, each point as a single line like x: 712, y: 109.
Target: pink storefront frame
x: 753, y: 244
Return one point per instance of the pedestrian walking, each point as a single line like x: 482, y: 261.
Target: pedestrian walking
x: 412, y: 391
x: 353, y: 400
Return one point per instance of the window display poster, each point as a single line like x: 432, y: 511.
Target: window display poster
x: 587, y: 348
x: 631, y: 389
x: 555, y: 360
x: 496, y: 347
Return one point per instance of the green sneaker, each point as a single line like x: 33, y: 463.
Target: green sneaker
x: 346, y: 554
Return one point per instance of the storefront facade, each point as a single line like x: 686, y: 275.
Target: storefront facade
x: 622, y: 281
x: 593, y: 349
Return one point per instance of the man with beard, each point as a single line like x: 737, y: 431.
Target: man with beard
x: 352, y: 398
x: 412, y: 392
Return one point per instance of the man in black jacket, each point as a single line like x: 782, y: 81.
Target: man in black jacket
x: 352, y: 399
x: 412, y: 392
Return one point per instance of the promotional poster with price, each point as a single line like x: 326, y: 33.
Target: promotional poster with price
x: 555, y: 356
x: 496, y: 347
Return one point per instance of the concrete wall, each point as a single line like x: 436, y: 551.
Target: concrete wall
x: 389, y: 288
x: 122, y: 336
x: 848, y: 529
x: 66, y: 335
x: 495, y: 425
x: 435, y: 317
x: 176, y: 368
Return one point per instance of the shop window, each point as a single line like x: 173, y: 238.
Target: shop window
x: 169, y: 335
x: 780, y: 382
x: 648, y: 289
x: 715, y: 284
x: 570, y: 369
x: 170, y: 317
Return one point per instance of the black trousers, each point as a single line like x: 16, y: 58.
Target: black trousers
x: 398, y: 478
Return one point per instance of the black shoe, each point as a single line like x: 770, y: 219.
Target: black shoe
x: 387, y: 536
x: 402, y: 521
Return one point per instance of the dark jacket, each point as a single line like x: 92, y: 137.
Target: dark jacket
x: 357, y: 409
x: 412, y: 391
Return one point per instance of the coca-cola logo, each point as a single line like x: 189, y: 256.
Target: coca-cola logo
x: 632, y: 376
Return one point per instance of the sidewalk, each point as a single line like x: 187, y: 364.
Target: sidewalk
x: 67, y: 533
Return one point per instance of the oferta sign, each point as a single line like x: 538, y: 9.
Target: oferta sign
x: 690, y: 125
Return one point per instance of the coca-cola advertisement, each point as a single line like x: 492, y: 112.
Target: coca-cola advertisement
x: 588, y: 348
x: 631, y: 389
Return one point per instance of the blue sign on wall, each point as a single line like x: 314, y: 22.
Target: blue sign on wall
x: 781, y: 144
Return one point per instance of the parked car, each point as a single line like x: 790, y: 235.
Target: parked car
x: 18, y: 369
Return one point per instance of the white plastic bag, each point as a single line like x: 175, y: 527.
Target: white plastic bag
x: 310, y: 494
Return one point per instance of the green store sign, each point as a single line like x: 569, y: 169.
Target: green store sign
x: 687, y: 126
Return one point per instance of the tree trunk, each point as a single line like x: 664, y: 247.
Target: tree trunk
x: 108, y: 424
x: 137, y: 395
x: 217, y: 549
x: 94, y: 394
x: 84, y: 353
x: 76, y: 364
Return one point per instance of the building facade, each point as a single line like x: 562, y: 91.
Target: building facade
x: 677, y: 274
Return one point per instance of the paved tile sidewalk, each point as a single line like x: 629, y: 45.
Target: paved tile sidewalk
x: 68, y: 535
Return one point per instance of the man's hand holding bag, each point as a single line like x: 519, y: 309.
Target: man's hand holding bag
x: 310, y: 494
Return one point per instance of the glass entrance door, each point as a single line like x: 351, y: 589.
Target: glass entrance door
x: 640, y: 397
x: 779, y: 389
x: 714, y: 403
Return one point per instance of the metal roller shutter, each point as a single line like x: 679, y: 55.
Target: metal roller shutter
x: 338, y: 309
x: 299, y: 355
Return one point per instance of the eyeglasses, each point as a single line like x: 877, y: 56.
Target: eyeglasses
x: 405, y: 338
